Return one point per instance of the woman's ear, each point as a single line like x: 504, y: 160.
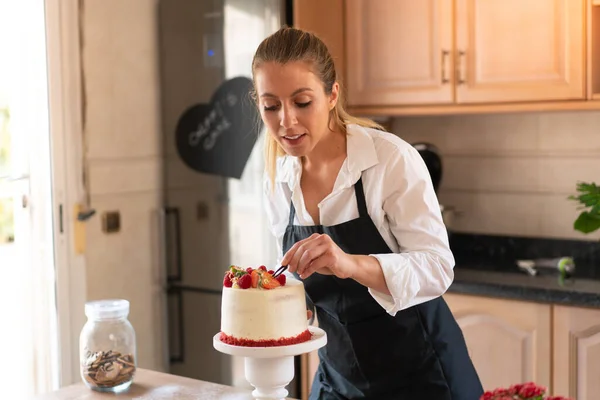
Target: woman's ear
x: 334, y: 96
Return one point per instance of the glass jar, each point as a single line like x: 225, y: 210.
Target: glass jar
x: 107, y: 347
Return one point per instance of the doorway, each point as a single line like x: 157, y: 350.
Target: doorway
x: 27, y: 279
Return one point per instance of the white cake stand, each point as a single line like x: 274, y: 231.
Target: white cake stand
x: 271, y: 369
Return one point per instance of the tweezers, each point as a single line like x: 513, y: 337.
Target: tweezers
x: 279, y: 271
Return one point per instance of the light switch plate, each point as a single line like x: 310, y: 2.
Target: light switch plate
x: 111, y: 222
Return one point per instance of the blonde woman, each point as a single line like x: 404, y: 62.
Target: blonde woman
x: 354, y: 212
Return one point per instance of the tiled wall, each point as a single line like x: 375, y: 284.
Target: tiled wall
x: 122, y: 134
x: 510, y: 174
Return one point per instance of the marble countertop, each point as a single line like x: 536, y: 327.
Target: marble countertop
x: 520, y: 286
x: 151, y: 385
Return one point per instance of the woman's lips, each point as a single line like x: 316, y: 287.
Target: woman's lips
x: 294, y: 140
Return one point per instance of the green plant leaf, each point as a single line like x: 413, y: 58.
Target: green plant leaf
x: 587, y: 222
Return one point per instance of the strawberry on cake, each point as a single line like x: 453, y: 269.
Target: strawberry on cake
x: 258, y: 310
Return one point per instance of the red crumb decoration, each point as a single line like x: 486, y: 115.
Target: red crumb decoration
x: 249, y: 270
x: 262, y: 267
x: 303, y: 337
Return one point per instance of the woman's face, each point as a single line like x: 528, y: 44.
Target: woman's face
x: 293, y: 105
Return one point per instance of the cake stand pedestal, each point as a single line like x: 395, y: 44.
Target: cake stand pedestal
x: 271, y: 369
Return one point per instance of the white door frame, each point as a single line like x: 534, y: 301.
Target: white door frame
x: 68, y: 188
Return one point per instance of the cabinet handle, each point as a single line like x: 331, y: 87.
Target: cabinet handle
x: 445, y: 54
x: 460, y: 75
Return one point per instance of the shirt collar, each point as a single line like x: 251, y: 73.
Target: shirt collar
x: 361, y: 156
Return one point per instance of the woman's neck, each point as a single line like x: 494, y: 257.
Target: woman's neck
x: 329, y: 150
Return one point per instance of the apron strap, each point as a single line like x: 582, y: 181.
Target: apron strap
x: 360, y: 198
x: 292, y: 213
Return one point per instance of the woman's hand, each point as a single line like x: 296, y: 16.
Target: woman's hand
x: 319, y: 253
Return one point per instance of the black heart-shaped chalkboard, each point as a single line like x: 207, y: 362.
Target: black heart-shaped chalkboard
x: 217, y: 138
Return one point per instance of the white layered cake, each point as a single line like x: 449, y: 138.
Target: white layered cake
x: 258, y: 310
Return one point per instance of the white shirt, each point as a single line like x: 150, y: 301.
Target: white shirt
x: 400, y: 201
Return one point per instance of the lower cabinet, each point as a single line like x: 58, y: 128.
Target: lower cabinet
x: 514, y: 341
x: 576, y: 353
x: 509, y: 341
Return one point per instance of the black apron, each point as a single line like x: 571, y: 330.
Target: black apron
x: 419, y: 354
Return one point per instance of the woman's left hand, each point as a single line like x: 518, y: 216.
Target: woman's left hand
x: 319, y: 253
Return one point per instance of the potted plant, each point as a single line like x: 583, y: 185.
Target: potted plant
x: 588, y: 198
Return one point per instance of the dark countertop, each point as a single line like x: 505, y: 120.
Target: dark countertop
x: 520, y: 286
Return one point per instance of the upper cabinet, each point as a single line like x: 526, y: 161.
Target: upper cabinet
x: 462, y: 54
x: 403, y: 52
x: 399, y: 51
x: 514, y: 50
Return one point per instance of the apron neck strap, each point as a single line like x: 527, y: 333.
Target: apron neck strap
x: 360, y: 198
x: 292, y: 213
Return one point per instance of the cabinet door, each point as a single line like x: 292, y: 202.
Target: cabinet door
x: 399, y: 52
x: 514, y: 50
x: 576, y: 352
x: 509, y: 341
x: 324, y: 19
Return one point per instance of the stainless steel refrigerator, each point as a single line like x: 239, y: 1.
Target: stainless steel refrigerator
x: 211, y: 219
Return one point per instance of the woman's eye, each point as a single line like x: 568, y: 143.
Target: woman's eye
x: 302, y: 105
x: 270, y: 108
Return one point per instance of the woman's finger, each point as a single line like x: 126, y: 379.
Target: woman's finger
x: 325, y: 262
x: 292, y: 251
x: 299, y: 250
x: 313, y: 251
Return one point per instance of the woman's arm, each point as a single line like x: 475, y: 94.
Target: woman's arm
x: 423, y: 269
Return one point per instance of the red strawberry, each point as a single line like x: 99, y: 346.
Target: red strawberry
x: 271, y: 272
x: 245, y: 281
x: 227, y: 280
x: 249, y: 270
x: 262, y: 268
x: 268, y: 282
x: 281, y: 279
x: 255, y: 277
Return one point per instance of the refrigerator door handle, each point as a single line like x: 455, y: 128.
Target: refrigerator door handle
x: 162, y: 248
x: 177, y: 355
x: 176, y: 277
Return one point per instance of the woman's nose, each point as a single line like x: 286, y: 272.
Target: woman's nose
x: 288, y: 118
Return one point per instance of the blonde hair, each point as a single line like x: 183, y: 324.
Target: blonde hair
x: 291, y: 45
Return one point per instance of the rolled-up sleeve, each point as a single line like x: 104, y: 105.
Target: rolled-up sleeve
x: 423, y: 268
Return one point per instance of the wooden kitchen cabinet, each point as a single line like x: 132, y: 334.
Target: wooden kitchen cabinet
x: 576, y: 352
x: 403, y: 57
x: 509, y: 341
x: 399, y: 52
x: 514, y: 50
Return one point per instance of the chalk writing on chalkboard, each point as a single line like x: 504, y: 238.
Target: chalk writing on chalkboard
x: 218, y: 137
x: 215, y: 119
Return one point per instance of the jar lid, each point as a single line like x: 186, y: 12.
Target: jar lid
x: 107, y: 309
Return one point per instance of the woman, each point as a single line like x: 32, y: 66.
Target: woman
x: 355, y: 214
